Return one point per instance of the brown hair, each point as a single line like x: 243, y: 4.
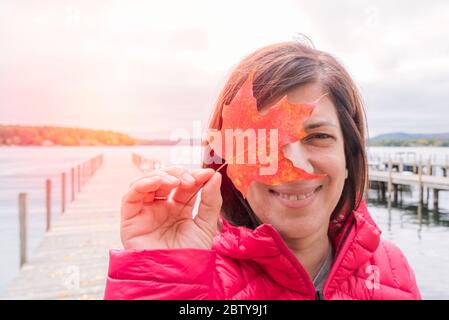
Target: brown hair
x: 277, y: 69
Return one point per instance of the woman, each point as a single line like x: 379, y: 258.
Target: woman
x: 304, y: 239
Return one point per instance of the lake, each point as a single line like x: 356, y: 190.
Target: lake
x: 423, y: 237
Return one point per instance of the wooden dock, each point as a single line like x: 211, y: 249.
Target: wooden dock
x: 72, y: 259
x: 395, y: 177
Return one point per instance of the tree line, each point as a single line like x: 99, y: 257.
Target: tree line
x: 61, y: 136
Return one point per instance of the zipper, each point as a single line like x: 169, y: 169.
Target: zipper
x: 289, y: 255
x: 319, y: 295
x: 342, y: 248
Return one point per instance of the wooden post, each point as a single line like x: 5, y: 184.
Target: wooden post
x: 378, y: 189
x: 395, y: 191
x: 390, y: 180
x: 63, y: 192
x: 420, y: 184
x: 401, y: 165
x: 445, y: 166
x: 382, y: 186
x: 435, y: 198
x: 429, y: 167
x: 48, y: 202
x: 419, y: 219
x: 72, y: 180
x: 23, y: 227
x: 79, y: 178
x: 83, y: 178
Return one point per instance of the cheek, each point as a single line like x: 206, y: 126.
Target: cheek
x: 331, y: 162
x: 334, y: 165
x: 257, y: 199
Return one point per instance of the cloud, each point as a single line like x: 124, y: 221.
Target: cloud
x: 135, y: 65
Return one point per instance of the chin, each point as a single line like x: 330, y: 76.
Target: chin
x: 297, y: 227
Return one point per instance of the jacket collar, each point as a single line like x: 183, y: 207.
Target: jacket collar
x: 264, y: 246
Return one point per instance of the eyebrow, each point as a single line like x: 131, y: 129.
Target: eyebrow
x: 319, y: 124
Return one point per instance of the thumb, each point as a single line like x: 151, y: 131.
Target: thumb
x: 211, y: 201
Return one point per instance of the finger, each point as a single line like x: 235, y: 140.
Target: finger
x: 163, y: 192
x: 176, y: 171
x: 185, y: 194
x: 148, y: 175
x: 211, y: 201
x: 133, y: 200
x: 167, y: 184
x: 185, y: 178
x: 148, y: 199
x: 139, y: 189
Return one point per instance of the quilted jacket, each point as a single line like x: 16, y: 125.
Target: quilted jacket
x: 257, y: 264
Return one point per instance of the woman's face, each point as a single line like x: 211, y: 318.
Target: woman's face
x: 302, y: 208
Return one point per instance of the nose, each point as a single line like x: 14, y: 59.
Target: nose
x: 298, y: 154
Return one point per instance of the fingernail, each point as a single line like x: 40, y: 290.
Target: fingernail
x: 171, y: 179
x: 187, y: 178
x: 208, y: 170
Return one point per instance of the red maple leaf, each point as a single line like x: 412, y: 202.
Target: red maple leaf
x: 284, y: 117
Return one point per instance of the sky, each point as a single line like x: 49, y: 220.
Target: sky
x: 148, y: 68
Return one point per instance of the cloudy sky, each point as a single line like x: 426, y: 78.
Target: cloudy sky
x: 147, y: 67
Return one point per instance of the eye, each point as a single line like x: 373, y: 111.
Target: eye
x: 319, y: 136
x: 319, y: 139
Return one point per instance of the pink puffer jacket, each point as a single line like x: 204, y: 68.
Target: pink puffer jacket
x: 257, y: 264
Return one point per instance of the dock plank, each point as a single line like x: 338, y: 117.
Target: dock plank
x: 434, y: 182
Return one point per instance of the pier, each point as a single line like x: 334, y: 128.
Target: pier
x: 391, y: 175
x: 72, y: 260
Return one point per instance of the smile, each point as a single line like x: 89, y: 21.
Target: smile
x: 295, y: 200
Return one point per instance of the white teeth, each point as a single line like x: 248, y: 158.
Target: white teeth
x: 294, y: 196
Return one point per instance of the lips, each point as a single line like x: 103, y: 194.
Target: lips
x: 295, y: 198
x: 301, y: 196
x: 294, y: 191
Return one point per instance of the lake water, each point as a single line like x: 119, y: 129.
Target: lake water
x: 423, y: 237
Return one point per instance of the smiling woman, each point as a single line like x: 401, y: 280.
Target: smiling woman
x: 306, y: 237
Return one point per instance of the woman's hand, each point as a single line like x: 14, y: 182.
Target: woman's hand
x: 148, y: 222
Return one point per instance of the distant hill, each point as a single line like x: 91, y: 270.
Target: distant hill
x: 411, y: 139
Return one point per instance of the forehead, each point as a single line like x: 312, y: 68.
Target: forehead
x: 324, y: 111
